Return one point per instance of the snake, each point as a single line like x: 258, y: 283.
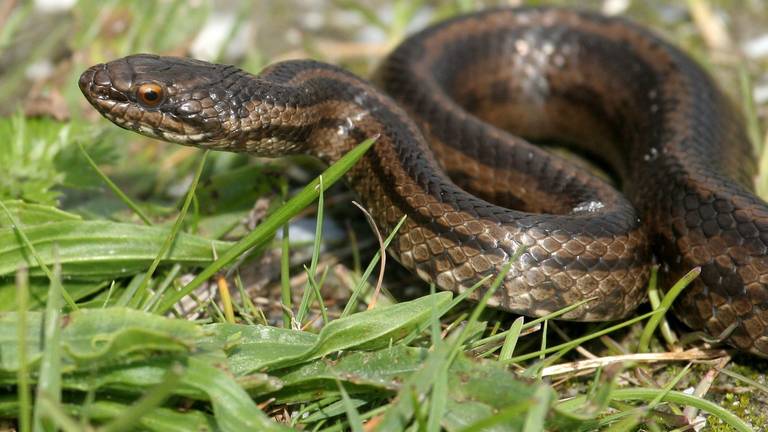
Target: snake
x: 470, y: 117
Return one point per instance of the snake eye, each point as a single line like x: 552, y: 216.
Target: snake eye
x: 150, y: 94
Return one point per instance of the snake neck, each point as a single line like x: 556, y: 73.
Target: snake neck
x: 325, y: 111
x: 306, y: 107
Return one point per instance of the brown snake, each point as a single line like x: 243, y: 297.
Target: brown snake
x: 609, y: 87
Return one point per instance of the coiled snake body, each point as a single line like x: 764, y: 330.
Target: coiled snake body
x: 605, y: 85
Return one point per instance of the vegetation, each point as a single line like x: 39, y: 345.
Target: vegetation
x: 146, y: 286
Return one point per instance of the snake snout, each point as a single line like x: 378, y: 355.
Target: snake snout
x: 86, y: 78
x: 99, y: 88
x: 88, y: 86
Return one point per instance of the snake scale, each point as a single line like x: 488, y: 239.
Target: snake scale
x: 455, y: 108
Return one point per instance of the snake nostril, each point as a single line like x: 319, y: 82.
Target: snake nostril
x: 101, y: 77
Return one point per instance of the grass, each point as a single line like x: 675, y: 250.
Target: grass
x: 113, y: 247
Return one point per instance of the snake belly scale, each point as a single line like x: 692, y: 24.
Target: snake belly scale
x: 453, y: 107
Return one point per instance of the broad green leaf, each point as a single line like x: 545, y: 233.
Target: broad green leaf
x: 461, y: 416
x: 159, y: 419
x: 140, y: 375
x: 476, y: 391
x: 34, y: 214
x: 251, y: 347
x: 100, y: 248
x: 38, y: 291
x: 385, y: 369
x: 9, y: 344
x: 379, y: 327
x: 233, y: 408
x: 106, y: 334
x: 98, y: 336
x: 368, y: 330
x: 134, y: 350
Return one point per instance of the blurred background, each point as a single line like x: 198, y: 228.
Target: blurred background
x: 45, y: 44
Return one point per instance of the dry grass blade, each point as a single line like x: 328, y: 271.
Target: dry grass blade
x: 599, y: 362
x: 704, y: 385
x: 711, y: 26
x: 226, y: 298
x: 383, y: 254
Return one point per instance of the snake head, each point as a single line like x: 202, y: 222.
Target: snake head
x: 174, y: 99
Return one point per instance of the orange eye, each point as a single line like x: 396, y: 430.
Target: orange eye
x: 150, y: 94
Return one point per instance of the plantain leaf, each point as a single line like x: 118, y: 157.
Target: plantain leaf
x: 104, y: 335
x: 100, y: 248
x: 368, y: 330
x: 159, y: 419
x: 34, y: 214
x: 252, y: 347
x: 38, y: 292
x: 232, y: 406
x: 97, y: 337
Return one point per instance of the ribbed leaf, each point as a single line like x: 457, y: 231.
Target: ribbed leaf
x: 100, y: 248
x: 34, y: 214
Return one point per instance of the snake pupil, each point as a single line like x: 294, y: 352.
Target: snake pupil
x: 150, y: 94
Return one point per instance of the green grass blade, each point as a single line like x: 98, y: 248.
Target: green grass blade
x: 438, y: 400
x: 352, y: 302
x: 576, y: 342
x: 129, y: 418
x: 141, y: 292
x: 537, y: 415
x: 353, y: 416
x: 49, y: 382
x: 266, y: 229
x: 59, y: 417
x: 285, y: 270
x: 669, y: 386
x: 666, y: 304
x: 510, y: 341
x: 40, y: 262
x: 654, y: 298
x: 22, y: 375
x: 532, y: 323
x: 309, y: 290
x: 749, y: 381
x: 113, y: 187
x: 648, y: 394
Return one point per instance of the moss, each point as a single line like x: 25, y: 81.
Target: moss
x: 743, y: 406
